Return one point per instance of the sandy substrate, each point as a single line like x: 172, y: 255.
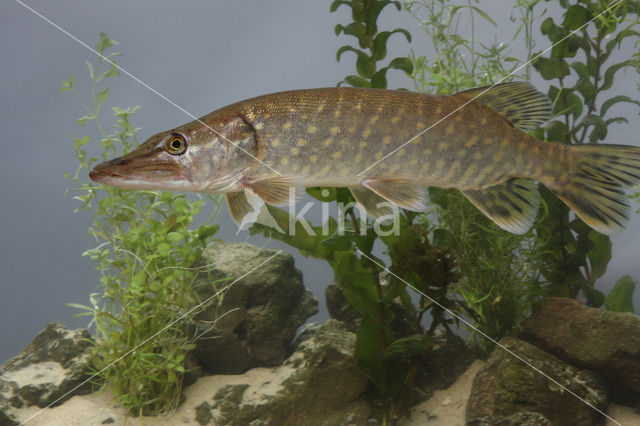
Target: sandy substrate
x: 446, y: 407
x: 95, y: 408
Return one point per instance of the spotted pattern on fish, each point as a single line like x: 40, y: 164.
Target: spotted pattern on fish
x: 392, y: 143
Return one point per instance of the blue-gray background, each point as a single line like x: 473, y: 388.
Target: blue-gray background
x: 202, y: 55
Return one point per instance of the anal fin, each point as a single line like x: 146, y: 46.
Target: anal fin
x: 374, y: 205
x: 512, y: 205
x: 402, y: 192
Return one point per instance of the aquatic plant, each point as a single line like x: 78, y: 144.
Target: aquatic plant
x: 500, y: 278
x: 581, y: 69
x: 146, y: 253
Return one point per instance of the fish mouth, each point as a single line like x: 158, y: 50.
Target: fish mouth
x: 125, y: 173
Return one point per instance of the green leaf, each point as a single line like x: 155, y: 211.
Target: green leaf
x: 79, y: 306
x: 365, y: 66
x: 347, y: 49
x: 600, y: 255
x: 164, y: 249
x: 90, y: 68
x: 379, y: 80
x: 617, y: 40
x: 181, y: 205
x: 557, y: 131
x: 575, y: 17
x: 444, y: 238
x: 82, y: 120
x: 595, y: 298
x: 206, y: 231
x: 356, y: 81
x: 611, y: 72
x: 551, y: 68
x: 338, y: 242
x: 380, y: 42
x: 485, y: 15
x: 586, y: 89
x: 415, y: 344
x: 337, y: 3
x: 111, y: 72
x: 174, y: 237
x: 581, y: 69
x: 616, y: 99
x: 368, y: 351
x: 403, y: 64
x: 104, y: 43
x: 620, y: 298
x: 101, y: 97
x: 599, y: 131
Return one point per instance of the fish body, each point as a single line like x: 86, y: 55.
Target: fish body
x: 386, y: 145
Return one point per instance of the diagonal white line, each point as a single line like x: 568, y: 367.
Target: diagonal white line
x: 489, y: 88
x: 157, y: 333
x: 491, y: 339
x: 124, y: 71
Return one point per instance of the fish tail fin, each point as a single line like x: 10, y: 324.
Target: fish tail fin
x: 595, y: 186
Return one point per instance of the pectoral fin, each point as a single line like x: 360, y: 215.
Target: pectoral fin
x: 374, y: 205
x: 402, y: 192
x: 243, y: 209
x: 276, y: 190
x: 512, y: 205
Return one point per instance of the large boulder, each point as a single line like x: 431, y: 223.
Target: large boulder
x: 319, y: 384
x: 506, y: 386
x: 608, y: 342
x: 51, y: 369
x: 259, y: 314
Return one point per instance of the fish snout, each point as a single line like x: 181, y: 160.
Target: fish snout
x: 108, y: 168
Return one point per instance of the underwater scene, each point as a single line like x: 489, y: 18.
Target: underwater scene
x: 347, y: 212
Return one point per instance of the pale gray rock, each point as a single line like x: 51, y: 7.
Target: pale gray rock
x: 319, y: 384
x: 257, y: 319
x: 53, y: 364
x: 608, y: 342
x: 506, y: 386
x: 524, y: 418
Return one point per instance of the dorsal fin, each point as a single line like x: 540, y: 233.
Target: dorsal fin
x: 518, y: 102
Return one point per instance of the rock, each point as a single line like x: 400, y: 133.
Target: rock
x: 54, y: 363
x: 320, y: 384
x: 7, y: 419
x: 449, y: 358
x: 203, y: 413
x: 524, y: 418
x: 259, y: 315
x: 506, y: 386
x: 339, y: 308
x: 608, y: 342
x: 307, y: 332
x: 192, y: 370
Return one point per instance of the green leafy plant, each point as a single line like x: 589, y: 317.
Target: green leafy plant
x: 579, y: 65
x: 147, y: 255
x: 499, y: 272
x: 620, y: 298
x: 364, y: 28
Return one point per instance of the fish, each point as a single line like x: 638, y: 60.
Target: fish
x: 386, y: 146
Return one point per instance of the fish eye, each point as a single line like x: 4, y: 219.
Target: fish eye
x: 176, y: 144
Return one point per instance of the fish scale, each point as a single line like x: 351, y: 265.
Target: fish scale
x: 386, y: 146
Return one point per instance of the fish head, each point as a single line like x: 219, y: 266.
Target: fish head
x: 195, y: 157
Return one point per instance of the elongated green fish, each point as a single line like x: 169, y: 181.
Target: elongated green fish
x: 474, y: 141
